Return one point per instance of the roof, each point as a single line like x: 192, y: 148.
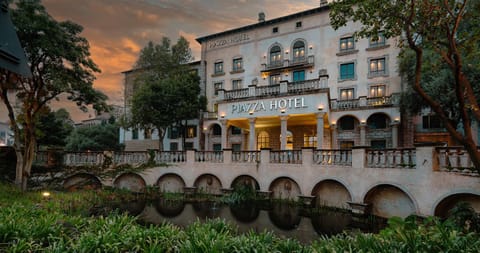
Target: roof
x: 265, y: 23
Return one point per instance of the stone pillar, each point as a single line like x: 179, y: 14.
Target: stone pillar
x: 207, y: 137
x: 227, y: 155
x: 359, y: 157
x: 333, y: 128
x: 252, y: 137
x: 320, y: 130
x: 283, y: 132
x: 395, y: 134
x: 363, y: 134
x: 191, y: 157
x: 224, y: 133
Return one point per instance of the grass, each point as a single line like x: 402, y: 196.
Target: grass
x: 62, y: 223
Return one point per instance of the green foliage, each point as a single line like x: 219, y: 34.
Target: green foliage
x: 94, y: 138
x: 54, y: 128
x: 241, y: 193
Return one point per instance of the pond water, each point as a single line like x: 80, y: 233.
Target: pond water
x: 283, y: 219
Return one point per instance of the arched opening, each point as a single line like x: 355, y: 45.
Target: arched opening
x: 131, y: 182
x: 348, y: 132
x: 263, y: 140
x: 276, y: 56
x: 388, y: 200
x: 447, y: 204
x: 245, y: 181
x: 378, y: 131
x: 298, y: 51
x: 285, y: 188
x: 331, y: 193
x: 170, y: 183
x: 82, y: 181
x: 289, y: 139
x: 208, y: 184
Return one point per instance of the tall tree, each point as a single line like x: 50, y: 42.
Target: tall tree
x: 168, y: 90
x: 94, y: 138
x: 53, y: 129
x: 60, y: 63
x: 451, y: 28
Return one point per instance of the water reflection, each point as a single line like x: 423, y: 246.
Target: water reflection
x: 281, y: 218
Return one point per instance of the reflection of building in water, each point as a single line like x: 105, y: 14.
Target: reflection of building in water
x: 294, y: 82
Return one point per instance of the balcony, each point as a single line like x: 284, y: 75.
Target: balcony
x: 364, y: 102
x: 284, y: 88
x: 289, y: 64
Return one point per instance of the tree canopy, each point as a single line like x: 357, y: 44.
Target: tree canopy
x: 168, y: 89
x: 60, y: 63
x: 94, y: 138
x: 443, y: 34
x: 54, y: 128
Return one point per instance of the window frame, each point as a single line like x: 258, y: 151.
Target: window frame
x: 375, y: 89
x: 237, y: 84
x: 349, y: 96
x: 345, y: 41
x: 218, y: 68
x: 216, y: 89
x: 296, y: 72
x: 300, y: 50
x: 351, y: 76
x: 237, y: 64
x: 273, y: 55
x: 376, y: 62
x: 271, y: 79
x: 382, y: 41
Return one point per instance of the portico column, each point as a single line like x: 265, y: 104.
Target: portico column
x: 224, y: 133
x: 283, y: 132
x: 394, y: 134
x: 333, y: 128
x: 207, y: 137
x: 320, y: 130
x: 363, y: 134
x: 252, y: 140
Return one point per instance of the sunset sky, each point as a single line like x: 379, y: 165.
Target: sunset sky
x: 118, y: 29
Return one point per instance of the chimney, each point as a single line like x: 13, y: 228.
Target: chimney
x: 261, y: 17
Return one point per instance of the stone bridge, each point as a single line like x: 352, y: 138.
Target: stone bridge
x: 396, y: 182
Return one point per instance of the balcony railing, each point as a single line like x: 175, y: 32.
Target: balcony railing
x: 391, y: 158
x: 269, y: 90
x: 236, y: 94
x: 286, y: 156
x: 246, y: 156
x: 333, y: 157
x: 341, y: 105
x: 455, y: 159
x: 286, y: 64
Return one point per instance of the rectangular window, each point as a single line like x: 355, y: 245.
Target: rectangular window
x: 173, y: 133
x: 432, y: 122
x: 347, y: 44
x: 377, y: 42
x: 217, y: 86
x: 173, y: 146
x: 377, y: 91
x: 377, y: 67
x: 236, y: 147
x: 236, y: 130
x: 309, y: 140
x: 191, y: 131
x: 298, y: 24
x: 237, y: 64
x: 275, y: 30
x: 188, y: 145
x: 135, y: 134
x: 378, y: 144
x: 299, y: 75
x: 217, y: 147
x: 236, y: 84
x: 275, y: 79
x: 347, y: 71
x: 346, y: 144
x: 347, y: 94
x: 219, y: 67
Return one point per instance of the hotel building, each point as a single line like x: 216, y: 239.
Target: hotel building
x: 292, y: 82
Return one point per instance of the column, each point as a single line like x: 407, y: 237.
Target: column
x: 252, y: 137
x: 394, y: 134
x: 320, y: 130
x: 333, y: 128
x: 207, y: 137
x: 224, y: 133
x: 283, y: 132
x: 363, y: 133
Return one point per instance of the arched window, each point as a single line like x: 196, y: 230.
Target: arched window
x: 347, y: 123
x: 377, y: 121
x: 217, y: 129
x: 276, y: 56
x: 299, y: 51
x: 263, y: 140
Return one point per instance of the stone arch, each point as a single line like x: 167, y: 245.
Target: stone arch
x: 285, y: 188
x: 209, y: 184
x: 82, y: 181
x: 245, y: 180
x: 331, y: 192
x: 443, y: 207
x: 375, y: 138
x: 170, y: 182
x: 348, y: 131
x: 130, y: 181
x: 389, y: 200
x: 378, y: 120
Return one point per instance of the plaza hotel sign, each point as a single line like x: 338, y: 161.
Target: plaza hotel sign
x: 229, y: 41
x: 269, y: 105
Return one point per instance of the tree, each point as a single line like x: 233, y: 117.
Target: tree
x: 94, y: 138
x: 451, y: 28
x: 169, y: 91
x: 54, y: 128
x: 60, y: 63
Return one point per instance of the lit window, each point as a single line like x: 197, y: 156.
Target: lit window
x: 346, y: 144
x: 347, y: 71
x: 347, y: 44
x: 147, y: 134
x: 237, y: 64
x: 299, y: 75
x: 236, y: 84
x: 191, y: 131
x: 217, y: 86
x: 346, y: 94
x: 219, y: 67
x: 275, y: 79
x: 276, y: 56
x: 263, y: 140
x: 298, y: 51
x: 378, y: 41
x: 377, y: 91
x: 377, y: 66
x: 309, y: 140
